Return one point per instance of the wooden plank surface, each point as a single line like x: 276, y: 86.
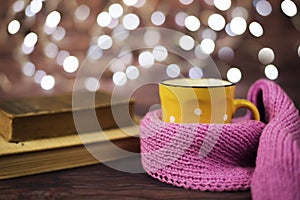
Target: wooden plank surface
x: 102, y: 182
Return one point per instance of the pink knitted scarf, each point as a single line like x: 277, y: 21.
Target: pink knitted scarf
x: 228, y: 157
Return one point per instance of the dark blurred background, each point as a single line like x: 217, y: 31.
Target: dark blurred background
x: 45, y: 43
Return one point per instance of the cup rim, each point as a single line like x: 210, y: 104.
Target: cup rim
x: 226, y: 83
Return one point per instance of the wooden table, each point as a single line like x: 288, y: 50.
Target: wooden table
x: 102, y: 182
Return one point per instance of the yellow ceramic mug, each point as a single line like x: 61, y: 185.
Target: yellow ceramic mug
x: 187, y: 100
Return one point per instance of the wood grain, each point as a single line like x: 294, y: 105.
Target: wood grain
x: 102, y: 182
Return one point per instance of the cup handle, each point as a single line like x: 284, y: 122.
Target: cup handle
x: 242, y: 103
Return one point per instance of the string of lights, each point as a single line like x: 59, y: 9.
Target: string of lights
x: 42, y: 29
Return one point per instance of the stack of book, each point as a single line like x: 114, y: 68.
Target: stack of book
x: 39, y: 134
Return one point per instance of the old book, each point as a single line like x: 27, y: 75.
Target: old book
x: 51, y: 116
x: 50, y: 154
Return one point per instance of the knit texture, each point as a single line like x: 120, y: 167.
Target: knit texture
x: 277, y: 171
x: 228, y: 157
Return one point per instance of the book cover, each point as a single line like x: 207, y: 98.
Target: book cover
x: 51, y: 116
x: 51, y: 154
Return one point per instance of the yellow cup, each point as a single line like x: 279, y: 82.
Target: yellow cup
x: 187, y: 100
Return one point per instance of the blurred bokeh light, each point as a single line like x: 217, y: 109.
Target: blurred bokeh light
x: 45, y: 43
